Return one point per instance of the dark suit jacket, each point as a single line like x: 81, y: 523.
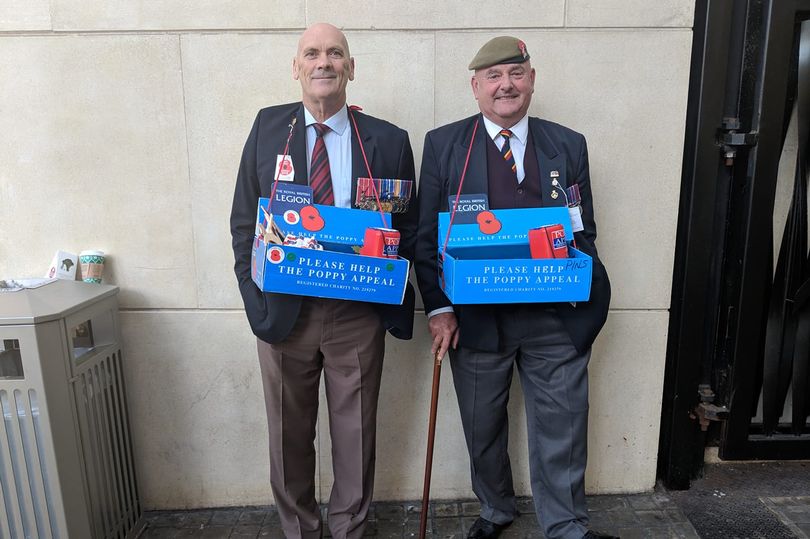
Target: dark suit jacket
x: 557, y: 148
x: 389, y: 154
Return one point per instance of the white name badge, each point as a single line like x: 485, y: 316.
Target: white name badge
x: 576, y: 218
x: 285, y: 170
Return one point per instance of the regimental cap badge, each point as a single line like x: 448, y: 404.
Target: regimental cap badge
x: 522, y: 47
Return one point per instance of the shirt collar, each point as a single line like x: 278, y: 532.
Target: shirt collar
x: 520, y: 130
x: 338, y: 122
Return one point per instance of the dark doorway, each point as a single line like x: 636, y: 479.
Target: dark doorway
x: 738, y: 355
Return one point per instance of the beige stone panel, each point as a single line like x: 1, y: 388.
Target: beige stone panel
x: 628, y: 13
x: 97, y: 160
x: 197, y: 409
x: 21, y: 15
x: 627, y: 92
x: 626, y: 387
x: 402, y: 430
x: 627, y: 368
x: 200, y: 433
x: 424, y: 14
x: 69, y: 15
x: 228, y: 78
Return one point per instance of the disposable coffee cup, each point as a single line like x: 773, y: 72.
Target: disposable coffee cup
x: 92, y: 265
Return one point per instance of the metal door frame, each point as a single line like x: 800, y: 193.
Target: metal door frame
x: 737, y: 97
x: 753, y: 247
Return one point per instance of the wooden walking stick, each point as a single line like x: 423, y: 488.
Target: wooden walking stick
x: 434, y: 404
x: 437, y: 361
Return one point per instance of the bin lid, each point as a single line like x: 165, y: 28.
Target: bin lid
x: 50, y: 302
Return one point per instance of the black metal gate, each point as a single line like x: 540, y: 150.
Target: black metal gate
x: 739, y: 336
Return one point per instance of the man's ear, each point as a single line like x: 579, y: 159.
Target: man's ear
x: 295, y: 68
x: 474, y: 85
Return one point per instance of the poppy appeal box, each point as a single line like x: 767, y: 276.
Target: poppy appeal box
x: 313, y: 250
x: 488, y: 259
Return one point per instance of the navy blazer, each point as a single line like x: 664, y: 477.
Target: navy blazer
x: 557, y: 148
x: 389, y: 154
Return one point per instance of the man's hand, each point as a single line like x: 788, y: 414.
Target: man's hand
x: 444, y: 330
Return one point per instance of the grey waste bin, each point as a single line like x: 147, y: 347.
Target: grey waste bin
x: 66, y: 466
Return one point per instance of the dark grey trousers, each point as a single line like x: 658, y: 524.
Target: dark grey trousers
x: 554, y: 378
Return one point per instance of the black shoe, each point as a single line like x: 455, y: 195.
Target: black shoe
x: 484, y: 529
x: 599, y: 535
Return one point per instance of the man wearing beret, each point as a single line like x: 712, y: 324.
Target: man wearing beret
x: 299, y: 337
x: 518, y: 161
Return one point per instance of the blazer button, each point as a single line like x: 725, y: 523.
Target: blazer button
x: 520, y: 190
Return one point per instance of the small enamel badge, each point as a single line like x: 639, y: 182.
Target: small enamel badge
x: 284, y: 168
x: 555, y: 174
x: 522, y: 47
x: 554, y: 194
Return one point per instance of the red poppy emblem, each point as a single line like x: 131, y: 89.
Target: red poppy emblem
x: 275, y: 255
x: 522, y: 47
x: 291, y: 217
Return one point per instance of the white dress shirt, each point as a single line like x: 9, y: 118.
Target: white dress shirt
x: 338, y: 143
x: 520, y: 134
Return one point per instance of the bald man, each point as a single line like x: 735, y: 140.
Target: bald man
x: 298, y: 336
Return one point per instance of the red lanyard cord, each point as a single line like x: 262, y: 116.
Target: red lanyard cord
x: 353, y: 108
x: 362, y: 150
x: 281, y: 165
x: 458, y: 194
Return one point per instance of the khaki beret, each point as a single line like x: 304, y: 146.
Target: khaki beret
x: 500, y: 50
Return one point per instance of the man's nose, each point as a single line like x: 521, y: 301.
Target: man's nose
x: 324, y: 62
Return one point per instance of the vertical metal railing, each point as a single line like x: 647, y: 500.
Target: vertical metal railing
x: 26, y: 498
x: 104, y: 429
x: 786, y: 364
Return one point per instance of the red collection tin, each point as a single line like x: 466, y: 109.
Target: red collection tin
x: 548, y: 242
x: 380, y: 242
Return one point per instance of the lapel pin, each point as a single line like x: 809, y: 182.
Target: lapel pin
x: 555, y: 174
x: 554, y: 194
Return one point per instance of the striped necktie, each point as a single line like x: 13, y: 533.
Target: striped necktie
x: 320, y: 177
x: 506, y: 151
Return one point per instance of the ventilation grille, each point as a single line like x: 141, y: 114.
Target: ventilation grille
x: 107, y: 449
x: 26, y: 498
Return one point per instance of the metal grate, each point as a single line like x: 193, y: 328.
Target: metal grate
x: 107, y: 449
x: 26, y: 498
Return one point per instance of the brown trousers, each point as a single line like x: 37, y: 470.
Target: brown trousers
x: 346, y: 340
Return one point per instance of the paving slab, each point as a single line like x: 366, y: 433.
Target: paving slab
x: 649, y: 515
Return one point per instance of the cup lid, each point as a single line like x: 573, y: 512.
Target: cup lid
x: 91, y: 253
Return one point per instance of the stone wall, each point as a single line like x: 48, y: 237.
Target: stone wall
x: 123, y: 123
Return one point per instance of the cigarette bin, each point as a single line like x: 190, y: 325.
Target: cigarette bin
x: 66, y: 464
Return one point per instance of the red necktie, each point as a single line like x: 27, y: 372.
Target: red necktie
x: 506, y: 151
x: 320, y: 177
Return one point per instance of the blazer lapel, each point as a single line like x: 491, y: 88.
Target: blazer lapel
x: 475, y: 179
x: 551, y: 165
x: 369, y: 144
x: 298, y: 148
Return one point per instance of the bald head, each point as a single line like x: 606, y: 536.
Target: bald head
x: 321, y: 31
x: 324, y: 67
